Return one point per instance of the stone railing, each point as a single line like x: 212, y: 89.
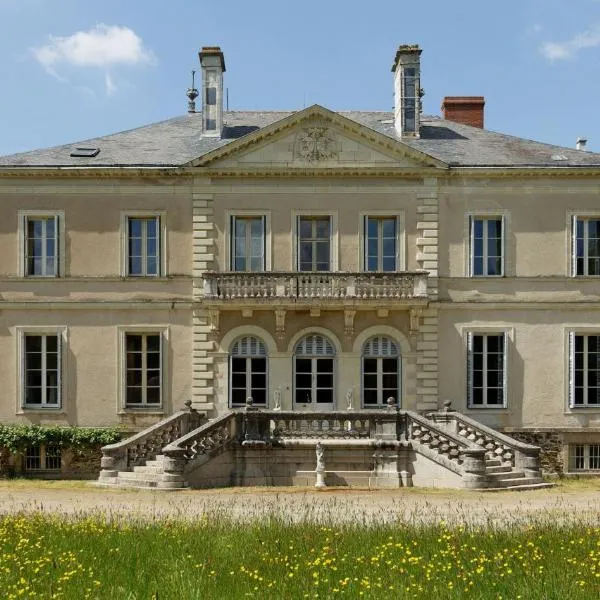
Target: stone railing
x: 321, y: 285
x: 143, y: 446
x: 496, y: 445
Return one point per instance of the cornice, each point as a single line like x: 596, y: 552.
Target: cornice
x: 96, y: 304
x: 511, y: 305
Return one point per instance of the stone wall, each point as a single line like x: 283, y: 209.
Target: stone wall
x: 551, y: 444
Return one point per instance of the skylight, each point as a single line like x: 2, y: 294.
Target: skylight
x: 85, y: 152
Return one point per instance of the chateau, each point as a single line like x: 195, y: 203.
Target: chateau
x: 317, y: 262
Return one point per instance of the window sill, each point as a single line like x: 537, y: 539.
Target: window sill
x: 488, y: 408
x: 129, y: 410
x: 582, y: 409
x: 56, y: 410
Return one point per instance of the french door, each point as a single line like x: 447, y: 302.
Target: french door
x: 314, y: 374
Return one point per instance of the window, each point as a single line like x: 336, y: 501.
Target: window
x: 487, y: 242
x: 381, y: 372
x: 248, y: 371
x: 381, y: 243
x: 584, y: 354
x: 47, y: 458
x: 586, y: 246
x: 143, y: 246
x: 41, y: 370
x: 314, y: 243
x: 584, y: 457
x: 143, y: 386
x: 248, y: 243
x: 41, y: 246
x: 486, y: 365
x: 314, y: 357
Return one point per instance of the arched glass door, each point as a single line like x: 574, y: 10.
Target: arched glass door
x: 314, y: 373
x: 248, y: 371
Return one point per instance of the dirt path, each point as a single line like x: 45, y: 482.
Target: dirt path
x: 293, y: 504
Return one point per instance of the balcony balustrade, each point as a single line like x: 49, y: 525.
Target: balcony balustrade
x: 322, y: 286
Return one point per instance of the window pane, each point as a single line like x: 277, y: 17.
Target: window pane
x: 322, y: 227
x: 259, y: 380
x: 153, y: 395
x: 303, y: 365
x: 370, y: 396
x: 238, y: 396
x: 370, y: 365
x: 134, y: 395
x: 151, y: 266
x: 238, y: 380
x: 151, y: 228
x: 135, y: 228
x: 305, y: 228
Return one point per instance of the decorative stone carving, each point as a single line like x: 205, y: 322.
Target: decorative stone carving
x: 280, y: 323
x: 314, y: 144
x: 320, y: 470
x: 415, y: 320
x: 277, y: 399
x: 349, y: 399
x: 349, y: 323
x: 213, y: 321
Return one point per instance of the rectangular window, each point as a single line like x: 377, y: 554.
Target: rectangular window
x: 586, y: 246
x: 41, y: 246
x: 143, y: 246
x: 486, y: 360
x: 487, y: 244
x: 42, y: 370
x: 248, y: 243
x: 46, y: 458
x: 314, y: 243
x: 143, y: 369
x: 381, y: 244
x: 585, y: 370
x: 585, y: 457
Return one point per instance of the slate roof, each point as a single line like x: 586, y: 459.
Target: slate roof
x: 178, y: 141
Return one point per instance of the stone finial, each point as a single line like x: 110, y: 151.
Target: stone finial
x: 391, y: 403
x: 188, y: 405
x: 192, y: 93
x: 249, y: 401
x: 447, y: 405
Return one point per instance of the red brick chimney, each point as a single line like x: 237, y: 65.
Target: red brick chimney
x: 464, y: 109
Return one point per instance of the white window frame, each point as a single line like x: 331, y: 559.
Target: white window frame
x: 162, y: 246
x: 230, y: 215
x: 586, y: 457
x: 334, y: 238
x: 382, y: 402
x: 313, y: 356
x: 61, y: 332
x: 469, y: 237
x: 59, y: 263
x: 248, y: 358
x: 571, y: 333
x: 163, y: 332
x: 572, y: 218
x: 43, y: 454
x: 468, y: 337
x: 400, y: 238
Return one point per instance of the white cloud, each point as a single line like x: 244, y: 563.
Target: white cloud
x: 102, y: 47
x: 565, y: 50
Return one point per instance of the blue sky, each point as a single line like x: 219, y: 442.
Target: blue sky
x: 73, y: 70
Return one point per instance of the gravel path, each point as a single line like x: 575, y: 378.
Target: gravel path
x: 294, y: 504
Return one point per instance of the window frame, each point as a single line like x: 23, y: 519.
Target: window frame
x: 248, y: 360
x: 22, y: 333
x: 573, y: 218
x: 571, y: 387
x: 230, y: 216
x: 44, y: 458
x: 314, y: 372
x: 162, y: 243
x: 469, y: 333
x: 572, y: 456
x: 59, y: 264
x: 382, y: 402
x: 333, y: 238
x: 470, y: 233
x: 400, y: 239
x: 163, y: 332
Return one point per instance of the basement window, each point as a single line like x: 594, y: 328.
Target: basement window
x: 43, y: 458
x: 584, y: 457
x: 85, y: 152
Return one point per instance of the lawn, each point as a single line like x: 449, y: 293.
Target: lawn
x: 112, y: 557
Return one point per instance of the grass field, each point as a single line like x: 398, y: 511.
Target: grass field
x: 117, y: 558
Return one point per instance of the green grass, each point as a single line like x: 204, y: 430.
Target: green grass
x: 107, y: 557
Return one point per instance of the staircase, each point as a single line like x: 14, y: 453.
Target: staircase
x: 390, y: 448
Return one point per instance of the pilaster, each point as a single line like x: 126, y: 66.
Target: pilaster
x: 425, y: 330
x: 203, y: 322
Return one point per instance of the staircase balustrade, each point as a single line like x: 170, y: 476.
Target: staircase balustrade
x: 147, y: 444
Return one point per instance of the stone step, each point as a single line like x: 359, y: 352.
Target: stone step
x: 493, y: 462
x: 517, y: 488
x: 510, y: 474
x: 138, y: 484
x: 137, y: 476
x: 517, y: 482
x: 149, y: 469
x: 497, y: 468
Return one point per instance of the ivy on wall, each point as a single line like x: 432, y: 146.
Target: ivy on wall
x: 16, y: 438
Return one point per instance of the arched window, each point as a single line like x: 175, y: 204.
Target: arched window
x: 380, y: 372
x: 248, y: 371
x: 314, y: 363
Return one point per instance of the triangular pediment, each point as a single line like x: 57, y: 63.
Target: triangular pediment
x: 316, y: 138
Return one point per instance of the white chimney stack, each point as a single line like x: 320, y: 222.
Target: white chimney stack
x: 581, y: 142
x: 212, y: 62
x: 407, y: 90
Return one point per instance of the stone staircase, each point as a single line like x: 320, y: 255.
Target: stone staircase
x: 390, y: 448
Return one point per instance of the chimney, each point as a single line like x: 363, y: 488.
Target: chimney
x: 467, y: 110
x: 581, y: 143
x: 407, y: 90
x: 212, y: 62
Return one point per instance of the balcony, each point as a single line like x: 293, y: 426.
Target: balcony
x: 322, y: 287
